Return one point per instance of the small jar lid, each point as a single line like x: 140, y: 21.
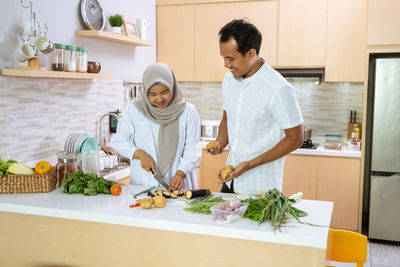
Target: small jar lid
x: 82, y: 49
x: 60, y: 46
x: 333, y: 135
x: 70, y: 47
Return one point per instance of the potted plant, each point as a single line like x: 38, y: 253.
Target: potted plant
x: 116, y: 22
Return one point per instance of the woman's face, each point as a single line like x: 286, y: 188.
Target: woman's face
x: 159, y: 96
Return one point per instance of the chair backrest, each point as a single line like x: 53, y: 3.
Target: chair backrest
x: 347, y: 246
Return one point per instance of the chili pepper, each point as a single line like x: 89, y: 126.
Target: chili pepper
x: 132, y: 206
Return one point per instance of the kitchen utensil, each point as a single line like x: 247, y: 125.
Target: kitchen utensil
x: 144, y: 191
x: 160, y: 180
x: 19, y: 55
x: 28, y: 50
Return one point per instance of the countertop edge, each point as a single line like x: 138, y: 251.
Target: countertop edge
x: 167, y: 225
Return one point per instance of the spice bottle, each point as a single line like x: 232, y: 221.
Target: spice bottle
x: 67, y: 164
x: 70, y: 58
x: 81, y: 59
x: 57, y: 57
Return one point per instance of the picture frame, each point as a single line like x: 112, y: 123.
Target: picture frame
x: 130, y: 29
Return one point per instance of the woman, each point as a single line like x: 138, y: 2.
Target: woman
x: 160, y: 133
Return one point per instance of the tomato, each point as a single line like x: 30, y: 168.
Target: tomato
x: 115, y: 190
x: 43, y: 167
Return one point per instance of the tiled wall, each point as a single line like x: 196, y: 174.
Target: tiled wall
x: 37, y: 114
x: 325, y: 107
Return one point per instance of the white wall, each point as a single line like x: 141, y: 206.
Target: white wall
x: 122, y: 61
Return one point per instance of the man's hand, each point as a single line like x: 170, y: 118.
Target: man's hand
x: 214, y: 148
x: 237, y: 171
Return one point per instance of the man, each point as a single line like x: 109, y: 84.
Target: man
x: 261, y: 120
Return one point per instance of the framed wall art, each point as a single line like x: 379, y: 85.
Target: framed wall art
x: 130, y: 29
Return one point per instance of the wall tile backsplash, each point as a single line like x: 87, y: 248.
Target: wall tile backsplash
x: 325, y: 107
x: 37, y: 114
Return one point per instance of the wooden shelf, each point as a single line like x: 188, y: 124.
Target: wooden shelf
x: 54, y: 74
x: 113, y: 37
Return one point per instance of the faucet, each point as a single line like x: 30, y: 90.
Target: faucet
x: 100, y: 133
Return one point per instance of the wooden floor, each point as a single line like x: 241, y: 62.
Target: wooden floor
x: 380, y: 254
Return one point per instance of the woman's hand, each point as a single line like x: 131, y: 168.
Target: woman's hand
x: 145, y: 160
x: 177, y: 182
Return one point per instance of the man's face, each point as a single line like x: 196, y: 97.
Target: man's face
x: 234, y: 61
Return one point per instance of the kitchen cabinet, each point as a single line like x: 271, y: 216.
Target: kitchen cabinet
x: 383, y: 26
x: 264, y: 14
x: 175, y: 39
x: 210, y: 18
x: 334, y: 179
x: 345, y: 44
x: 187, y: 35
x: 302, y: 33
x: 209, y: 167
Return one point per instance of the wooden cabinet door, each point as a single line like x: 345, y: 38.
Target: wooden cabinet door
x: 264, y: 15
x: 338, y: 181
x: 210, y: 18
x: 302, y: 33
x: 383, y: 22
x: 345, y: 40
x: 209, y: 167
x: 300, y: 175
x: 175, y: 40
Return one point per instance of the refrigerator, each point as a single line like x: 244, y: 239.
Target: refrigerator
x: 383, y: 147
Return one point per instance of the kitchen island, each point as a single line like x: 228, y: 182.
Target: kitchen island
x: 57, y: 229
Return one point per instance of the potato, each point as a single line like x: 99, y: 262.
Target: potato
x: 212, y: 145
x: 226, y: 171
x: 146, y: 203
x: 159, y: 201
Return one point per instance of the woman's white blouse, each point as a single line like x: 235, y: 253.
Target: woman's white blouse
x: 258, y: 109
x: 135, y: 131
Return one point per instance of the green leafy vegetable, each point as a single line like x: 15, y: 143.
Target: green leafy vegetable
x: 272, y: 206
x: 5, y: 165
x: 88, y: 184
x: 203, y: 206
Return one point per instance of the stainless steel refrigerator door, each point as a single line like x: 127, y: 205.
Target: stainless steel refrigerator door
x: 386, y: 128
x: 384, y: 212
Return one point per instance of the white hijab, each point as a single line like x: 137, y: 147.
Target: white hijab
x: 168, y: 135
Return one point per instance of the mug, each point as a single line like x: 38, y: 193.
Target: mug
x: 42, y: 43
x: 28, y: 50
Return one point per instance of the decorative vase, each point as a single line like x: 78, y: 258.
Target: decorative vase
x: 116, y: 29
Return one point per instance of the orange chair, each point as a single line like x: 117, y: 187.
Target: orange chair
x: 346, y: 246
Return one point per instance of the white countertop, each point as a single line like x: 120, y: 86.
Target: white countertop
x: 319, y: 151
x: 115, y: 210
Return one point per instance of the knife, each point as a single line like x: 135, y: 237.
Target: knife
x: 160, y: 180
x: 144, y: 191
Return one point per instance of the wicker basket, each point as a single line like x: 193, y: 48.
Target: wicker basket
x: 29, y: 183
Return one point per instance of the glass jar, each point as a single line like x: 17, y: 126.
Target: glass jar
x: 67, y: 164
x: 70, y: 58
x: 57, y: 57
x: 333, y: 141
x: 81, y: 59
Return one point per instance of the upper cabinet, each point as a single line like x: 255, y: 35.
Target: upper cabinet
x: 175, y: 39
x: 383, y: 22
x: 264, y: 14
x: 210, y: 18
x: 302, y: 33
x: 345, y: 45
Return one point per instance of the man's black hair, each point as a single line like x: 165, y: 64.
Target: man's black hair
x: 246, y: 35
